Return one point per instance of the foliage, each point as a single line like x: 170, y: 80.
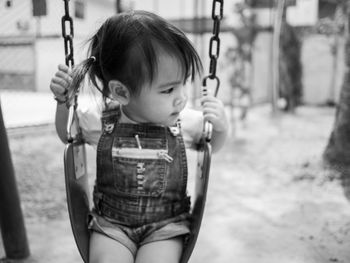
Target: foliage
x: 246, y: 33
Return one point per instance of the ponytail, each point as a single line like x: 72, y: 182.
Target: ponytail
x: 78, y: 75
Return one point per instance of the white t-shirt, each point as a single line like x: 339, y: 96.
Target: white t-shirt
x: 90, y: 123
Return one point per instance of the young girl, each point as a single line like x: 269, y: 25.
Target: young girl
x: 141, y: 206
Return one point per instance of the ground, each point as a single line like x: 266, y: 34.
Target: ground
x: 270, y: 198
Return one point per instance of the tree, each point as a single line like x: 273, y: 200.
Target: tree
x: 337, y: 151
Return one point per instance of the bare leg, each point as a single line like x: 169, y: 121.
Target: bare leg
x: 168, y: 251
x: 106, y: 250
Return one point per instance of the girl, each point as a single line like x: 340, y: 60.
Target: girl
x: 141, y: 207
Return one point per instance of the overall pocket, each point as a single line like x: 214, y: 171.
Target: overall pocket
x: 140, y: 166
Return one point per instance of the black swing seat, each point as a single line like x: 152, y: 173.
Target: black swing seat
x: 78, y: 195
x: 199, y: 197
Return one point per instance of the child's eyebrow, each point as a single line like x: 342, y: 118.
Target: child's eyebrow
x: 170, y: 83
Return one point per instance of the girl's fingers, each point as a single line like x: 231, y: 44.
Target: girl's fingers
x: 212, y: 118
x: 64, y: 68
x: 211, y: 100
x: 218, y: 124
x: 211, y: 104
x: 64, y: 76
x: 213, y: 107
x: 62, y: 84
x: 57, y: 89
x: 211, y: 111
x: 62, y: 79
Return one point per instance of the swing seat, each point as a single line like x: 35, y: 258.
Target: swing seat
x: 199, y: 197
x: 78, y: 195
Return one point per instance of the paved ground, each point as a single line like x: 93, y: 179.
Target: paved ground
x: 270, y: 199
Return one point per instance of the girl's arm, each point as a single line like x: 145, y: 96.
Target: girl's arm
x: 192, y: 122
x: 89, y: 113
x: 61, y: 121
x: 59, y: 86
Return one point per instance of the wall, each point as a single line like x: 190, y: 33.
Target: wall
x: 50, y: 51
x: 317, y: 70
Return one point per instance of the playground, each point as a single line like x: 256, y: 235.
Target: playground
x: 269, y: 197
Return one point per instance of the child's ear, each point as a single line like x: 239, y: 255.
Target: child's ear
x: 119, y: 91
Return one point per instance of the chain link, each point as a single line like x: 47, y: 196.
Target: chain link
x: 68, y: 36
x: 214, y: 52
x: 214, y: 43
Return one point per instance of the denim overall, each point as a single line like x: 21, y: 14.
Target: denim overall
x: 141, y: 172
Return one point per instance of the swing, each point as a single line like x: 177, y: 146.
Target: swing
x: 76, y: 176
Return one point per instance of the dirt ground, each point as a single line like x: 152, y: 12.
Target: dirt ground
x: 269, y: 200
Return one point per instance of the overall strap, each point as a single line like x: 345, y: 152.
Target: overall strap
x: 110, y: 116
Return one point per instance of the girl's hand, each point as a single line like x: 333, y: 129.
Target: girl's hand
x: 214, y: 112
x: 60, y: 83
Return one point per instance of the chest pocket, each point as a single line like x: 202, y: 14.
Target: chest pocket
x: 140, y: 165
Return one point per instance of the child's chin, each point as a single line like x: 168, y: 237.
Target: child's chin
x: 173, y: 122
x: 169, y: 123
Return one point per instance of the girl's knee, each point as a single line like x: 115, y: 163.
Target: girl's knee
x: 169, y: 251
x: 106, y: 250
x: 108, y: 256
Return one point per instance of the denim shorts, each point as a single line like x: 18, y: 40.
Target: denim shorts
x: 135, y: 237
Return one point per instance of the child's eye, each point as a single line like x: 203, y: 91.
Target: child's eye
x: 168, y: 91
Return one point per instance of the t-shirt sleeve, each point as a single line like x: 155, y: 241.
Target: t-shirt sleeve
x: 192, y: 126
x: 90, y: 123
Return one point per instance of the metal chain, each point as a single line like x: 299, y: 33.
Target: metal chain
x: 214, y: 52
x: 214, y: 43
x: 69, y: 57
x: 68, y: 38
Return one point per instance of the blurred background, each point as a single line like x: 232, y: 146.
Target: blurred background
x: 32, y: 45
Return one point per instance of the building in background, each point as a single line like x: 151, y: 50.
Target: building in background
x: 31, y: 43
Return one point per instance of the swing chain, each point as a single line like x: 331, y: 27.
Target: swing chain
x: 214, y: 52
x: 214, y: 44
x: 68, y: 38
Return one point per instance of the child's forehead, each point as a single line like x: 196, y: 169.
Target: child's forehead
x: 164, y: 59
x: 169, y: 72
x: 169, y: 67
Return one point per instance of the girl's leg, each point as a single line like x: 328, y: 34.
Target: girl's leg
x: 168, y: 251
x: 106, y: 250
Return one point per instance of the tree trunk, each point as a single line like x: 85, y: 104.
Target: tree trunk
x: 337, y: 152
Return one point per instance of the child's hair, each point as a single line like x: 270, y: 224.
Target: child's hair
x: 125, y: 48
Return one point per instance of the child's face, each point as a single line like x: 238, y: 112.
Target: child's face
x: 163, y: 100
